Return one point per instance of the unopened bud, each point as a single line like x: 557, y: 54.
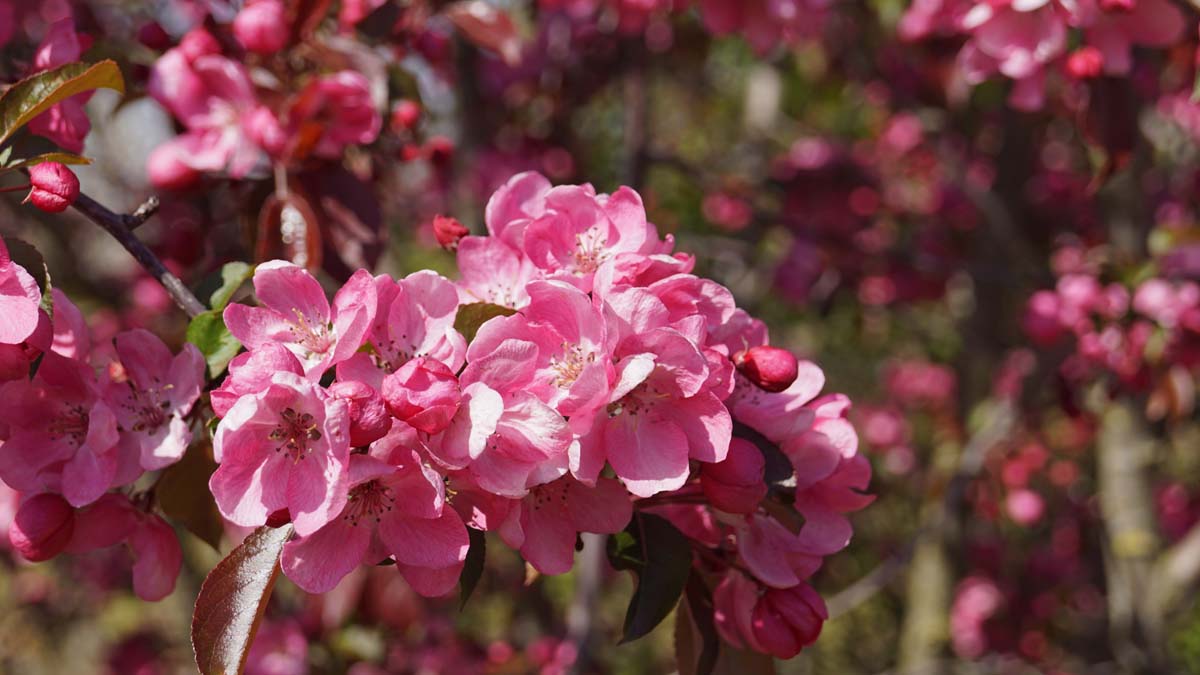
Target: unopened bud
x: 53, y: 187
x: 770, y: 368
x: 42, y: 527
x: 262, y: 26
x: 448, y: 231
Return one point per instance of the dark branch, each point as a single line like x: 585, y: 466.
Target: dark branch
x: 121, y: 227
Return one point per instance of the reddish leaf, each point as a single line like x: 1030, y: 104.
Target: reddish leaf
x: 288, y: 229
x: 232, y: 600
x: 32, y: 96
x: 351, y: 221
x: 487, y: 27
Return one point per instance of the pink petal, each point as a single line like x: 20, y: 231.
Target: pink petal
x: 319, y: 561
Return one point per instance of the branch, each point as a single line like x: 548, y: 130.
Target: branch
x: 121, y: 227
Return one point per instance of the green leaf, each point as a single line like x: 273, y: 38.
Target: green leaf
x: 472, y: 567
x: 233, y: 275
x: 31, y: 96
x: 661, y: 558
x: 60, y: 157
x: 471, y: 317
x: 182, y: 493
x: 208, y: 332
x: 232, y: 600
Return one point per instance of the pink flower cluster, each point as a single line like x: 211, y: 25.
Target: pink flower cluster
x: 70, y: 433
x: 1026, y: 41
x: 230, y: 130
x: 1114, y: 332
x: 603, y: 353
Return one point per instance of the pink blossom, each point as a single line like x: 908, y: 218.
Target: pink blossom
x: 556, y: 348
x: 157, y: 557
x: 506, y: 440
x: 296, y: 313
x: 42, y: 527
x: 61, y: 435
x: 213, y: 97
x: 779, y: 622
x: 369, y: 418
x: 286, y: 447
x: 341, y: 107
x: 776, y: 556
x: 544, y: 525
x: 66, y: 123
x: 976, y: 599
x: 736, y: 484
x: 262, y: 26
x: 661, y: 413
x: 424, y: 394
x: 154, y: 396
x: 1025, y: 507
x: 391, y: 506
x: 20, y: 300
x: 492, y: 271
x: 413, y: 317
x: 251, y: 372
x: 1114, y: 31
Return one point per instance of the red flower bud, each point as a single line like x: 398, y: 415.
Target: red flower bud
x: 369, y: 418
x: 42, y: 527
x: 448, y: 231
x: 405, y: 115
x: 54, y: 187
x: 770, y: 368
x: 262, y: 26
x: 1085, y: 63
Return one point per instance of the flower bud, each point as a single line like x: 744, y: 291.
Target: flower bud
x: 405, y: 115
x: 787, y: 620
x: 263, y: 127
x: 54, y: 187
x: 736, y: 485
x: 369, y: 418
x: 423, y: 393
x: 167, y: 170
x: 448, y: 231
x: 770, y: 368
x: 1085, y: 63
x: 42, y: 527
x: 262, y: 26
x: 198, y: 42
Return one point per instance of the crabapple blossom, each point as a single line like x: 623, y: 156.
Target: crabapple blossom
x: 286, y: 447
x: 392, y: 503
x: 20, y: 300
x: 736, y: 484
x: 66, y: 123
x: 262, y: 26
x: 779, y: 622
x: 42, y: 527
x: 296, y: 313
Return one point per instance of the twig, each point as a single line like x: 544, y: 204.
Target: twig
x: 121, y: 227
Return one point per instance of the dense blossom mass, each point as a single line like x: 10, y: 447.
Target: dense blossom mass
x: 609, y: 380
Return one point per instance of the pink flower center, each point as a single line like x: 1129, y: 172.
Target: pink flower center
x: 637, y: 402
x: 71, y: 424
x: 549, y: 496
x: 296, y: 430
x: 149, y: 407
x: 568, y: 366
x: 317, y: 338
x: 591, y: 250
x: 369, y: 502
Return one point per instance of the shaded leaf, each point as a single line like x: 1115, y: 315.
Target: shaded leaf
x: 351, y: 221
x: 487, y: 27
x: 471, y: 317
x: 232, y: 600
x: 33, y: 95
x: 472, y: 567
x: 233, y: 275
x: 697, y: 644
x: 208, y: 332
x: 60, y: 157
x: 778, y: 468
x: 661, y: 558
x: 182, y: 493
